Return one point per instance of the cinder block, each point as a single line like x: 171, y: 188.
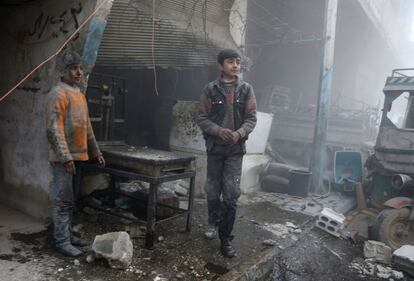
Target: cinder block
x: 377, y: 251
x: 330, y: 221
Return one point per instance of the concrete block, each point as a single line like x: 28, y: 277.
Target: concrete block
x: 257, y: 141
x: 252, y: 167
x: 330, y: 221
x: 115, y: 247
x: 403, y: 258
x: 377, y: 251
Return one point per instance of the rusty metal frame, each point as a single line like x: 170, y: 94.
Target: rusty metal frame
x: 152, y: 196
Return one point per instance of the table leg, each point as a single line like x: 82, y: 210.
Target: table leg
x: 190, y: 203
x: 151, y: 213
x: 112, y: 191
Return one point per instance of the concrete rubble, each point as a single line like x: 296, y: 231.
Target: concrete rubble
x: 403, y: 258
x: 369, y: 268
x: 269, y: 240
x: 282, y: 230
x: 115, y: 247
x: 377, y: 251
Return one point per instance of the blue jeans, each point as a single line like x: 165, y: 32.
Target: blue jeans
x: 62, y: 204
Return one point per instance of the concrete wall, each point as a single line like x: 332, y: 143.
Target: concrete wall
x: 33, y: 32
x: 394, y: 20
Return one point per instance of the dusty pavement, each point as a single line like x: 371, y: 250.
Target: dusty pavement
x: 294, y: 248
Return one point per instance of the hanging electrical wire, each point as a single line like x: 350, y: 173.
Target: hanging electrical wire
x: 54, y: 54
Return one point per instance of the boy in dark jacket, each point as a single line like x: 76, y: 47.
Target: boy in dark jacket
x: 227, y: 115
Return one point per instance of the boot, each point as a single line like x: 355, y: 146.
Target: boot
x: 227, y: 249
x: 76, y: 241
x: 68, y: 250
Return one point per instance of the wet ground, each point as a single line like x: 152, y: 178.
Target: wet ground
x: 301, y: 251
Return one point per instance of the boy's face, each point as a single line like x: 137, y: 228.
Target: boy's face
x: 230, y: 67
x: 74, y: 75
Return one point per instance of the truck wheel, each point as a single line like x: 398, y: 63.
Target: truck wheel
x: 375, y: 230
x: 393, y: 227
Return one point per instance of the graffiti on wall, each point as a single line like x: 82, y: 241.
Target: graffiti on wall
x: 46, y: 26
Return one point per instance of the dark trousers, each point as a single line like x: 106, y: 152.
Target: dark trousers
x: 222, y: 187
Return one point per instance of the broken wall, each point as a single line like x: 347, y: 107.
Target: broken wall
x: 32, y: 33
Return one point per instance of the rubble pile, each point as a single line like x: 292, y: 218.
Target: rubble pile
x: 369, y: 267
x: 282, y: 230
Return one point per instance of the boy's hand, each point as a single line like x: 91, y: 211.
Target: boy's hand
x: 236, y: 137
x: 100, y: 160
x: 226, y: 135
x: 70, y: 167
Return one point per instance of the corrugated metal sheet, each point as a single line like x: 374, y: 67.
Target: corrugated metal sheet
x: 188, y: 33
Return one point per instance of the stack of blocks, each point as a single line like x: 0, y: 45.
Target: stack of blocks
x: 330, y: 221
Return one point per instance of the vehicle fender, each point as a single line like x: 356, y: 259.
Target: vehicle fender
x: 399, y: 202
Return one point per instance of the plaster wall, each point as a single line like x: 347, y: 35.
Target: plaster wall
x: 394, y: 21
x: 33, y: 32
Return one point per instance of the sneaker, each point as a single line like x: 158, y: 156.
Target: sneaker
x: 227, y: 249
x: 68, y: 250
x: 210, y: 232
x: 76, y: 241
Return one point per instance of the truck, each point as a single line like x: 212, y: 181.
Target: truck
x: 294, y: 124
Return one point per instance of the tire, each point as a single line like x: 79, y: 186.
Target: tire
x: 375, y: 230
x: 392, y: 227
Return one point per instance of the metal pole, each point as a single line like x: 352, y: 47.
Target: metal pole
x: 317, y: 164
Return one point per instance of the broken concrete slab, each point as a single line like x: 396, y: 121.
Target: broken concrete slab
x: 377, y: 251
x: 403, y: 258
x: 115, y: 247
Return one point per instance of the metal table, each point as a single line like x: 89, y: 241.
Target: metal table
x: 147, y: 165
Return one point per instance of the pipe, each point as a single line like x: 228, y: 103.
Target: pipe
x: 400, y: 181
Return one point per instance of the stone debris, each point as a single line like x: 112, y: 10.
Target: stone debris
x: 403, y: 258
x: 283, y: 230
x: 269, y: 242
x: 377, y: 251
x: 160, y: 278
x: 371, y: 268
x: 76, y: 262
x: 115, y: 247
x: 291, y: 225
x: 134, y: 231
x: 180, y: 187
x: 90, y: 258
x: 180, y: 275
x: 278, y: 230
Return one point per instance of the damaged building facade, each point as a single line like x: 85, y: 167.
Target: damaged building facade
x: 286, y: 37
x: 143, y: 61
x: 121, y: 44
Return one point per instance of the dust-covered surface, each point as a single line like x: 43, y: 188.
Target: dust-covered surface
x: 301, y: 251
